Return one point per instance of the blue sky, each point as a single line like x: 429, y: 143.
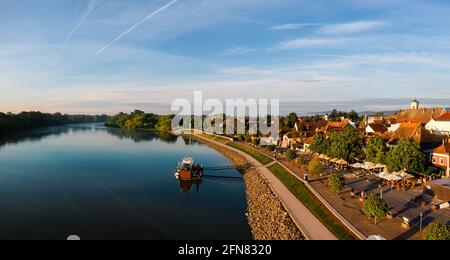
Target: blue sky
x: 60, y: 55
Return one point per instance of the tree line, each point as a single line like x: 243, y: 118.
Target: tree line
x: 141, y: 120
x: 11, y: 123
x: 348, y: 145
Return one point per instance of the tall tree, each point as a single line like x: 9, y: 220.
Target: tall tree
x: 407, y: 155
x: 291, y: 119
x: 376, y: 150
x: 319, y: 144
x: 375, y: 207
x: 345, y: 145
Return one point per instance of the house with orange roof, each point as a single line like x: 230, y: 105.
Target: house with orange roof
x: 440, y: 157
x: 376, y: 129
x: 306, y: 144
x: 440, y: 125
x: 417, y: 132
x: 337, y: 126
x: 417, y: 114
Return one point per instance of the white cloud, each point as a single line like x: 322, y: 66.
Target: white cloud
x: 349, y: 28
x: 238, y: 50
x: 291, y: 26
x: 307, y: 43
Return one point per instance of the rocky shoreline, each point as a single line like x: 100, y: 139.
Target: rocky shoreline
x: 267, y: 217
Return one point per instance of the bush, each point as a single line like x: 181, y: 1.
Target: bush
x: 248, y: 139
x: 437, y: 231
x: 375, y: 207
x: 271, y: 147
x: 315, y: 166
x: 255, y: 141
x: 241, y: 138
x: 336, y: 182
x: 291, y: 155
x: 302, y: 160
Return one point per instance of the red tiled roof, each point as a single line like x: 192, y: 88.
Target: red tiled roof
x: 444, y: 117
x: 443, y: 149
x: 415, y: 131
x: 336, y: 125
x: 378, y: 128
x: 423, y: 120
x: 309, y: 140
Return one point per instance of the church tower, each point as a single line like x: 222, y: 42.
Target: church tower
x: 415, y: 104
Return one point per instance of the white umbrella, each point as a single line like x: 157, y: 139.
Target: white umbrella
x: 358, y: 165
x: 376, y: 237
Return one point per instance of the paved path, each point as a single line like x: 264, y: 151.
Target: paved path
x: 310, y: 226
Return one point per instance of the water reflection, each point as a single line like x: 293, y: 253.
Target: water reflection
x: 137, y: 136
x: 81, y: 180
x: 186, y: 187
x: 141, y: 135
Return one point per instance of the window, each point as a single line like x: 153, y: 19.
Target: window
x: 434, y: 160
x: 441, y: 161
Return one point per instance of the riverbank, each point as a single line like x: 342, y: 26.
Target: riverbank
x: 267, y: 217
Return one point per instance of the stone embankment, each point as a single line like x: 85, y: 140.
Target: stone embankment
x: 267, y: 217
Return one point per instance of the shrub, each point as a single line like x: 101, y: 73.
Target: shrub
x: 291, y: 155
x: 302, y: 160
x: 336, y: 182
x: 437, y: 231
x: 375, y: 207
x: 315, y: 166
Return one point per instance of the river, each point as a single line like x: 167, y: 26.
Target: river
x: 101, y: 183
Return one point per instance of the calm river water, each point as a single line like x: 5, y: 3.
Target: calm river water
x: 101, y: 183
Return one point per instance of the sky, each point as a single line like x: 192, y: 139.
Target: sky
x: 108, y: 56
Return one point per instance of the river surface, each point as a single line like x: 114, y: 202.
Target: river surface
x: 101, y: 183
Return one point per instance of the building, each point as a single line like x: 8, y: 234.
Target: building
x: 375, y: 119
x: 337, y: 126
x: 415, y: 104
x: 309, y: 127
x: 440, y: 125
x: 417, y: 132
x: 307, y: 144
x: 269, y: 141
x: 376, y: 129
x: 417, y: 115
x: 440, y: 158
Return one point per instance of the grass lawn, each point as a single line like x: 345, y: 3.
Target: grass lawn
x: 306, y: 197
x: 255, y: 154
x: 217, y: 138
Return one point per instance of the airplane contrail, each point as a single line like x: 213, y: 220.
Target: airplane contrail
x: 135, y: 26
x: 86, y: 13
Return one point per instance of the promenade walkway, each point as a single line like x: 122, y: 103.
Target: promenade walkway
x: 310, y: 226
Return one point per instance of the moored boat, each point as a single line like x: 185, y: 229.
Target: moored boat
x: 188, y: 170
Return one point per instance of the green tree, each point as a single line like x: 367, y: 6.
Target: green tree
x: 376, y: 150
x: 407, y: 155
x: 336, y: 182
x: 353, y: 115
x: 291, y: 120
x: 315, y: 166
x: 437, y: 231
x: 291, y: 155
x: 302, y: 160
x: 319, y: 144
x: 375, y: 207
x: 345, y: 145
